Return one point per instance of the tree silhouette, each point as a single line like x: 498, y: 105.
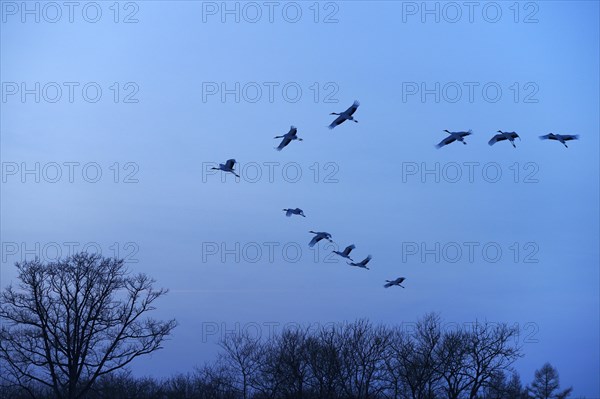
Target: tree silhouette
x: 545, y: 385
x: 241, y: 358
x: 69, y: 322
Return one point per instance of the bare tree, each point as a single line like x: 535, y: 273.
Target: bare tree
x: 421, y: 374
x: 410, y: 361
x: 491, y: 350
x: 69, y: 322
x: 452, y: 363
x: 241, y: 357
x: 324, y: 362
x: 293, y: 370
x: 214, y: 382
x: 363, y: 348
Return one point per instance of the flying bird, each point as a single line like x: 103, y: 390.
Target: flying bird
x: 319, y: 235
x: 362, y: 264
x: 287, y: 138
x: 289, y: 212
x: 346, y: 252
x: 397, y: 282
x: 454, y: 136
x: 560, y: 138
x: 227, y: 167
x: 501, y: 136
x: 345, y: 116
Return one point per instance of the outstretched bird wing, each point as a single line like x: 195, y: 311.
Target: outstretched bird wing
x: 568, y: 137
x: 338, y: 121
x: 283, y: 143
x: 315, y: 240
x: 446, y: 141
x: 366, y: 260
x: 388, y: 284
x: 348, y: 249
x: 288, y: 213
x: 353, y: 108
x: 229, y: 164
x: 496, y: 138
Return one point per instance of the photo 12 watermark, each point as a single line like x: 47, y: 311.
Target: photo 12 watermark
x: 272, y: 172
x: 469, y: 172
x: 70, y: 92
x: 269, y: 92
x: 69, y: 172
x: 253, y: 12
x: 215, y: 331
x: 269, y: 252
x: 55, y: 12
x: 427, y: 252
x: 452, y: 12
x: 53, y: 251
x: 470, y: 92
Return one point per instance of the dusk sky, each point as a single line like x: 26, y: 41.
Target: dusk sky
x: 112, y: 115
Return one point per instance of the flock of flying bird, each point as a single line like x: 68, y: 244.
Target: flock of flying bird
x: 347, y: 115
x: 501, y: 136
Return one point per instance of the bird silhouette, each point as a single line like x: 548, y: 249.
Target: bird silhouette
x: 287, y: 138
x: 397, y: 282
x: 561, y: 138
x: 346, y: 252
x: 227, y: 167
x: 297, y: 211
x: 362, y: 263
x: 454, y: 136
x: 345, y: 116
x: 319, y: 235
x: 501, y: 136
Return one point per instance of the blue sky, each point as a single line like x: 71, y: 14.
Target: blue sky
x: 354, y: 180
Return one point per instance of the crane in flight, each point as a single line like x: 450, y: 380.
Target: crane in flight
x: 397, y: 282
x: 227, y: 167
x: 287, y: 138
x: 346, y: 252
x: 561, y: 138
x: 362, y: 264
x: 297, y: 211
x: 501, y: 136
x: 454, y: 136
x: 319, y: 235
x: 345, y: 116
